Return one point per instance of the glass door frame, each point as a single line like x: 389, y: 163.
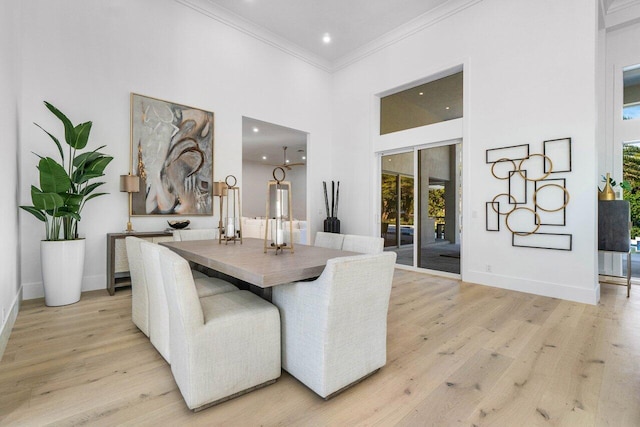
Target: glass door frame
x: 398, y: 221
x: 416, y: 209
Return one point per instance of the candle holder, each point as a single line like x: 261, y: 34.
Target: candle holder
x: 278, y: 212
x: 230, y: 227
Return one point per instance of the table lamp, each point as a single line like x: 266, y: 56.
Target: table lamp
x: 129, y: 184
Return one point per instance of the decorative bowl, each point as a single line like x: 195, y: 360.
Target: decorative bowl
x: 179, y: 224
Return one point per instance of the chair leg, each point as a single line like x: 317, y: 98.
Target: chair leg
x: 335, y: 393
x: 240, y: 393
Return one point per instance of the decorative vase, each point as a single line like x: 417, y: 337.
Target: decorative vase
x: 62, y: 268
x: 607, y: 193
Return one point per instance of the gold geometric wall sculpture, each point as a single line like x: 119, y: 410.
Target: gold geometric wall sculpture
x: 528, y: 219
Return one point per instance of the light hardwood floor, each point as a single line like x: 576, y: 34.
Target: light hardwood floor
x: 458, y: 354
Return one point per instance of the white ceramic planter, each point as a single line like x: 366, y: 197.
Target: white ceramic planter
x: 62, y: 268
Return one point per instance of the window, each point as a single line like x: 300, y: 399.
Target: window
x: 631, y: 93
x: 434, y: 102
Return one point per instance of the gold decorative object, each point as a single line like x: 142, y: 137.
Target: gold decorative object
x: 231, y: 229
x: 280, y: 191
x: 554, y: 152
x: 546, y: 173
x: 523, y: 233
x: 607, y: 193
x: 564, y: 204
x: 503, y: 160
x: 503, y: 194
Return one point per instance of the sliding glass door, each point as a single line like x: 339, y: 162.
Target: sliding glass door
x: 397, y: 210
x: 425, y: 230
x: 439, y: 187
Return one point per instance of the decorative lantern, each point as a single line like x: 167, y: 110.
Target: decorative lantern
x: 230, y: 218
x: 278, y: 212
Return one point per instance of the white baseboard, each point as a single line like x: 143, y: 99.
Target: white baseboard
x: 7, y: 325
x: 89, y: 283
x: 547, y: 289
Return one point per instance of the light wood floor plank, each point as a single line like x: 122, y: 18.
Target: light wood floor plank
x: 457, y: 354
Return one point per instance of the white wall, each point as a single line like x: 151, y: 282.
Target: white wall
x: 529, y: 70
x: 255, y: 175
x: 9, y: 82
x: 86, y: 56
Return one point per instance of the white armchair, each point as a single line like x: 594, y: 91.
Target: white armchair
x: 328, y: 240
x: 363, y: 244
x: 334, y: 329
x: 158, y: 308
x: 221, y: 346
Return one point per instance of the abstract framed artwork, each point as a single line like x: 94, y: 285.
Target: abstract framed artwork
x: 530, y: 221
x: 172, y: 153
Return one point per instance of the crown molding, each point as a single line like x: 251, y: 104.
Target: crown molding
x: 618, y: 5
x: 620, y: 13
x: 235, y: 21
x: 419, y: 23
x: 412, y: 27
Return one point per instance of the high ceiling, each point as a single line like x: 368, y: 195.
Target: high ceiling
x: 356, y: 28
x: 350, y: 23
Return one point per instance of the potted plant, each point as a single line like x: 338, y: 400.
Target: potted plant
x: 65, y: 187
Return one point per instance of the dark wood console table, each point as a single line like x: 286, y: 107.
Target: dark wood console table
x: 117, y: 263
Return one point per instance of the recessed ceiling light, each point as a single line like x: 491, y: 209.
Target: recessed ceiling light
x: 286, y: 161
x: 447, y: 108
x: 326, y: 38
x: 264, y: 157
x: 421, y: 93
x: 304, y: 157
x: 256, y: 130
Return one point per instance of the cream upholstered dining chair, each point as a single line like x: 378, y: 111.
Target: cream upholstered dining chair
x: 195, y: 234
x: 328, y: 240
x: 222, y: 345
x: 334, y: 329
x: 139, y: 289
x: 363, y: 244
x: 139, y: 286
x: 158, y: 308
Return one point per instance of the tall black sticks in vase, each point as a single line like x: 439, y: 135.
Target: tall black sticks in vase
x: 332, y: 223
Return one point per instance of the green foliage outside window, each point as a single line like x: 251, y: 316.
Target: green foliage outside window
x: 631, y: 174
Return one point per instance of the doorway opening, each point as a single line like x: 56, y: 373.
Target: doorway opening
x: 421, y: 206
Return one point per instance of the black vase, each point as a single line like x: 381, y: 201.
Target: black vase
x: 332, y: 225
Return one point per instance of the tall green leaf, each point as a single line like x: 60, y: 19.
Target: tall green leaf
x: 89, y: 188
x: 69, y: 131
x: 54, y: 140
x: 35, y: 212
x: 53, y: 177
x: 92, y: 169
x: 81, y: 135
x: 46, y: 201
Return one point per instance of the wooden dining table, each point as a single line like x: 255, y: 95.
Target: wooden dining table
x: 248, y: 262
